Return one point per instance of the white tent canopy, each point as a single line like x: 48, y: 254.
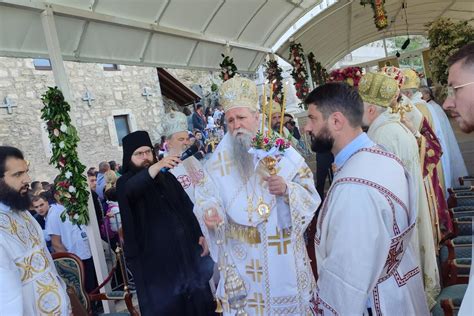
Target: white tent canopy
x: 347, y: 25
x: 164, y: 33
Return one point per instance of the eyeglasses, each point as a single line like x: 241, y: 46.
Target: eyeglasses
x: 142, y: 153
x: 452, y: 90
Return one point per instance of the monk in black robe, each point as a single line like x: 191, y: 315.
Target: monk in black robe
x: 163, y: 244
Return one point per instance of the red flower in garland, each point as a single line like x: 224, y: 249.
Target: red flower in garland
x: 380, y: 15
x: 350, y: 75
x: 299, y: 73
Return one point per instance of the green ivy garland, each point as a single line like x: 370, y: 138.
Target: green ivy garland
x: 228, y: 68
x: 318, y: 72
x: 273, y: 73
x: 70, y: 184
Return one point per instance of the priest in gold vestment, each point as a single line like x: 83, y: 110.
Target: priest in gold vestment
x: 264, y: 266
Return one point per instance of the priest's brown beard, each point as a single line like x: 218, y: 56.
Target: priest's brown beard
x: 241, y: 140
x: 13, y: 198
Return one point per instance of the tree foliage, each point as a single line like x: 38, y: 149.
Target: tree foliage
x: 446, y: 37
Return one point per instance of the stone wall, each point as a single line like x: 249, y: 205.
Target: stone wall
x: 115, y: 93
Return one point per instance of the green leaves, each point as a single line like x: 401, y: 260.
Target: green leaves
x: 70, y: 184
x: 228, y: 68
x: 446, y: 37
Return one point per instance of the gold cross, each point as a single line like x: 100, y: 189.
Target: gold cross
x: 223, y: 163
x: 257, y: 303
x: 281, y: 240
x: 304, y: 173
x: 254, y: 269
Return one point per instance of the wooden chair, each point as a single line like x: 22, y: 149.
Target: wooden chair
x: 71, y: 270
x: 462, y: 180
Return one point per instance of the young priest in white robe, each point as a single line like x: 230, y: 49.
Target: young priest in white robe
x: 365, y: 249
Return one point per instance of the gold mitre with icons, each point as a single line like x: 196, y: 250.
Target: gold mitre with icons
x: 412, y: 81
x: 174, y: 122
x: 275, y: 107
x: 238, y: 92
x: 378, y: 88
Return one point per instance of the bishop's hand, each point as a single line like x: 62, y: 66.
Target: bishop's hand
x: 276, y: 185
x: 212, y: 218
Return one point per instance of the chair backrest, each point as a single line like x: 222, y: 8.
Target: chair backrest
x: 71, y: 270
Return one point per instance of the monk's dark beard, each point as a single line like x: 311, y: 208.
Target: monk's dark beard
x: 145, y: 164
x: 241, y: 140
x: 13, y: 198
x: 323, y: 142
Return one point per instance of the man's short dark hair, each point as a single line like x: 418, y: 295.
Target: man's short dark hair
x: 8, y: 152
x: 43, y: 195
x: 464, y: 54
x: 112, y: 165
x: 91, y: 172
x: 34, y: 184
x: 198, y: 106
x: 338, y: 97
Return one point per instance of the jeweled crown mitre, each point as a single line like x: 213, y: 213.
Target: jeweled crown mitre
x: 238, y: 92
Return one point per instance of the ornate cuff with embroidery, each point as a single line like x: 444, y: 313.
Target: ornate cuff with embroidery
x: 416, y: 134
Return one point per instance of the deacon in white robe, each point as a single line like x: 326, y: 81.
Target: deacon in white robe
x: 265, y: 253
x: 189, y: 172
x: 365, y: 246
x: 452, y: 160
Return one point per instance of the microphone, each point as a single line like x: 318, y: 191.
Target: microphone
x: 406, y: 43
x: 188, y: 153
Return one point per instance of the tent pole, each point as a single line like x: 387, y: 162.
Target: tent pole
x: 62, y: 81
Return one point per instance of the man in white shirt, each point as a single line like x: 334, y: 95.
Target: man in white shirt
x: 66, y: 237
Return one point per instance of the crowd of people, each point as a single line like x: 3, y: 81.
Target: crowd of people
x: 188, y: 224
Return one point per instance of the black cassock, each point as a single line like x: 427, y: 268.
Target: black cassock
x: 161, y: 246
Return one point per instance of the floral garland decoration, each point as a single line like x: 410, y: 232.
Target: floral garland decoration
x: 299, y: 72
x: 268, y: 141
x: 350, y: 75
x: 380, y: 14
x: 70, y: 184
x: 318, y: 72
x: 228, y: 68
x: 273, y: 73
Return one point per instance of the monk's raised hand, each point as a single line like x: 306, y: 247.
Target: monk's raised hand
x: 276, y: 185
x: 169, y: 162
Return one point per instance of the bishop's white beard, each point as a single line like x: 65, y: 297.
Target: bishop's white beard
x: 241, y: 141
